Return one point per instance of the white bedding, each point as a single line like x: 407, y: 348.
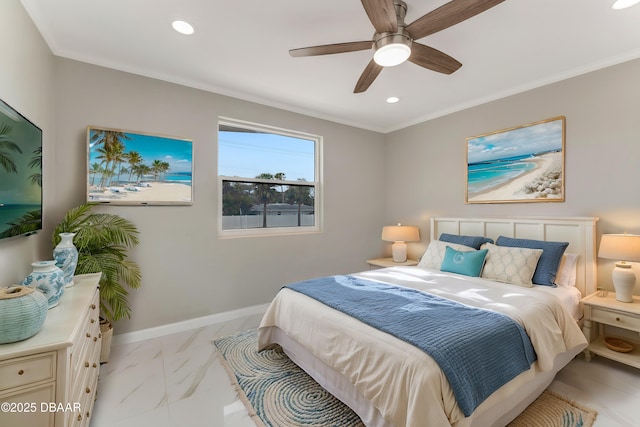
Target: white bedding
x: 403, y: 384
x: 569, y: 297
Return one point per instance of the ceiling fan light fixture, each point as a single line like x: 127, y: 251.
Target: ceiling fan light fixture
x: 623, y: 4
x: 392, y: 54
x: 391, y: 49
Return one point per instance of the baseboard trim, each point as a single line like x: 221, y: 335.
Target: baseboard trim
x: 185, y: 325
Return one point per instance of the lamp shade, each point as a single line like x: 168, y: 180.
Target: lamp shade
x: 400, y: 233
x: 620, y: 247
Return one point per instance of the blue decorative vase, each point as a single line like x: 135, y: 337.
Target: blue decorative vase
x: 66, y: 256
x: 48, y: 279
x: 22, y: 313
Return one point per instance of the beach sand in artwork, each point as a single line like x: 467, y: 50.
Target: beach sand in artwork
x: 155, y: 192
x: 542, y: 182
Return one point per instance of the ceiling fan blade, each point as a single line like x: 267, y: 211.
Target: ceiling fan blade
x: 447, y: 15
x: 368, y: 76
x: 328, y: 49
x: 382, y: 14
x: 433, y: 59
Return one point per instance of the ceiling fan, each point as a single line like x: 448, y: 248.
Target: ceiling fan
x: 394, y: 41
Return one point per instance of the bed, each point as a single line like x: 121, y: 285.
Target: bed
x: 389, y: 382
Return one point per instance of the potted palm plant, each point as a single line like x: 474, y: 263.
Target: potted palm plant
x: 103, y: 241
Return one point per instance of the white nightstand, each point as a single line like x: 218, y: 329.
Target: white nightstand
x: 388, y: 262
x: 606, y: 310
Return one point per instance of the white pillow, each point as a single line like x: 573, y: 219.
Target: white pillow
x: 510, y: 264
x: 434, y: 254
x: 567, y: 271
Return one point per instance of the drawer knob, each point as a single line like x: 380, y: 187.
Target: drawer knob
x: 86, y: 364
x: 95, y: 365
x: 93, y: 306
x: 88, y: 390
x: 95, y: 339
x: 21, y: 372
x: 617, y: 319
x: 93, y: 320
x: 79, y: 417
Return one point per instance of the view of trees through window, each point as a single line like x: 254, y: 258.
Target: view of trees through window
x: 268, y: 178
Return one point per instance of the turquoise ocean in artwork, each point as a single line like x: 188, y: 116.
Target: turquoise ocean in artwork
x: 484, y: 176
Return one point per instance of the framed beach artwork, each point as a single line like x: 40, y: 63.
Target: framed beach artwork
x: 520, y: 164
x: 132, y: 168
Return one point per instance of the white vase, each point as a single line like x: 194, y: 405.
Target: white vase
x: 66, y: 256
x: 48, y: 279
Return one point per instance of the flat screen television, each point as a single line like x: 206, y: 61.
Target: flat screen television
x: 20, y: 174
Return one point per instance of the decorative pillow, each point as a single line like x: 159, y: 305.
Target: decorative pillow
x: 468, y: 263
x: 511, y: 265
x: 471, y: 241
x: 435, y: 252
x: 567, y: 271
x: 549, y: 261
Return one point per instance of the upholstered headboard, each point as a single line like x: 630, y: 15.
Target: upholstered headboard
x: 580, y: 232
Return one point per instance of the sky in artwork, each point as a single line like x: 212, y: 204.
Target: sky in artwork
x: 539, y: 138
x: 177, y: 152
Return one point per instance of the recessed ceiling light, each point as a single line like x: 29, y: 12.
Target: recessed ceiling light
x: 183, y: 27
x: 392, y: 99
x: 623, y: 4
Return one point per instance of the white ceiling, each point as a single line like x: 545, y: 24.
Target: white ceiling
x: 240, y: 49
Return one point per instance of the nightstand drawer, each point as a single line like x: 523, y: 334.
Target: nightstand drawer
x: 27, y: 370
x: 614, y: 318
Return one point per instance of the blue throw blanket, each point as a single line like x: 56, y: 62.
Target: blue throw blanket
x: 478, y: 350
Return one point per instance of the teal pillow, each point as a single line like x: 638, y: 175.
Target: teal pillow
x: 467, y: 263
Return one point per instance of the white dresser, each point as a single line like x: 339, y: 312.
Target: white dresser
x: 50, y: 379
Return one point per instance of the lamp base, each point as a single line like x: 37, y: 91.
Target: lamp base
x: 399, y: 251
x: 624, y: 280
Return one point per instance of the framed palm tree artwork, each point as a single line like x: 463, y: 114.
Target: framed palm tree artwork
x: 133, y: 168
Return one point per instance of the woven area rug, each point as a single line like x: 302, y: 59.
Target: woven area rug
x: 277, y: 393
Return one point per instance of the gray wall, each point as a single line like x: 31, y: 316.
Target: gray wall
x: 187, y: 270
x: 27, y: 73
x: 602, y: 156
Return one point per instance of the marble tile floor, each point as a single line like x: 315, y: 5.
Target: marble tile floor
x: 172, y: 381
x: 176, y: 381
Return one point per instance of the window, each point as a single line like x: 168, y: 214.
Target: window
x: 269, y: 180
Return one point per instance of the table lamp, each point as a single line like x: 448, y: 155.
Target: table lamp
x: 399, y: 234
x: 623, y: 248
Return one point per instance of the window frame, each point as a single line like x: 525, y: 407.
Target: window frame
x: 317, y: 184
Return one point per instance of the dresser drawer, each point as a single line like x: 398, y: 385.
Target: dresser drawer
x: 27, y: 370
x: 84, y: 349
x: 614, y: 318
x: 86, y: 400
x: 89, y: 335
x: 86, y: 376
x: 29, y: 399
